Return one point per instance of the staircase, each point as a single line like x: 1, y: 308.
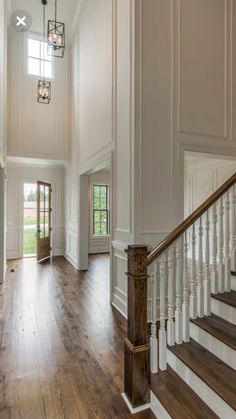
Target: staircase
x: 180, y: 351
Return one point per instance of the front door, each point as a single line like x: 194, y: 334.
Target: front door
x: 43, y: 221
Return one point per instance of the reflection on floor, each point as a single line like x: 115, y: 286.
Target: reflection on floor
x: 61, y: 343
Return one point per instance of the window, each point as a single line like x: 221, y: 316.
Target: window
x: 100, y: 210
x: 39, y: 62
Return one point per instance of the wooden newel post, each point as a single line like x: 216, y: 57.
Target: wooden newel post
x: 137, y: 349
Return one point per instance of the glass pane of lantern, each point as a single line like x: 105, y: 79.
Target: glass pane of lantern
x: 33, y: 48
x: 34, y: 66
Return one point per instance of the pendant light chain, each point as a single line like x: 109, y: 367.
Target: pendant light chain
x: 44, y: 35
x: 55, y: 10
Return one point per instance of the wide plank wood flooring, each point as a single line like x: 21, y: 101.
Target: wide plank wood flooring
x: 61, y: 343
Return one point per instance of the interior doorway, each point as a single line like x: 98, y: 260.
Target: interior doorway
x: 30, y: 220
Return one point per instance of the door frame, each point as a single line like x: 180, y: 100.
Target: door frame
x: 83, y: 210
x: 3, y: 264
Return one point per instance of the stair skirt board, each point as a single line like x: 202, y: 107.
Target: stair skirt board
x: 157, y: 408
x: 213, y: 345
x: 215, y: 402
x: 223, y: 310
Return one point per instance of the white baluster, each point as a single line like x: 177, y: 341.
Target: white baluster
x: 227, y: 246
x: 200, y: 290
x: 233, y: 229
x: 193, y: 296
x: 170, y: 322
x: 153, y: 338
x: 179, y: 290
x: 207, y: 283
x: 162, y: 330
x: 185, y: 307
x: 214, y: 272
x: 221, y: 268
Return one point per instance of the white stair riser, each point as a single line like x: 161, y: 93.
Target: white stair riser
x: 213, y: 345
x: 223, y: 310
x: 233, y: 282
x: 157, y: 408
x: 215, y: 402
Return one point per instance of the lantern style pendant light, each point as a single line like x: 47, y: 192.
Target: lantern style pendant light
x: 56, y: 37
x: 44, y: 91
x: 44, y: 87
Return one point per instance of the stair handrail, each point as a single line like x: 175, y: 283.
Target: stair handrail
x: 190, y: 220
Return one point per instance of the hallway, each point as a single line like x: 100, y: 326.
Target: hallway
x: 61, y: 343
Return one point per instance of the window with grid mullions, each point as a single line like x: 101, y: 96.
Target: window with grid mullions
x: 100, y: 210
x: 40, y: 64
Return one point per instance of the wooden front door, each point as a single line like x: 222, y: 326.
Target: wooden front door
x: 43, y: 221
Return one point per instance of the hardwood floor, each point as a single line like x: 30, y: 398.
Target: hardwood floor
x: 61, y: 343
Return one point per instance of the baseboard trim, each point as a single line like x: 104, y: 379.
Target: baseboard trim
x: 138, y: 409
x: 71, y: 260
x: 118, y: 309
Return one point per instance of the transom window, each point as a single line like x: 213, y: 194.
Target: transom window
x: 39, y: 62
x: 100, y: 210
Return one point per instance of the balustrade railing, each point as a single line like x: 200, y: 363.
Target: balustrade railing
x: 194, y: 260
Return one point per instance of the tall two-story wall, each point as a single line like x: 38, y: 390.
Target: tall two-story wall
x: 3, y: 131
x: 188, y: 102
x: 101, y: 123
x: 152, y: 79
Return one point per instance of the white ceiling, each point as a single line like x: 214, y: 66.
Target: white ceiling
x: 67, y: 11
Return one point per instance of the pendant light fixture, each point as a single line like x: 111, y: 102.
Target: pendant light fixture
x: 56, y: 36
x: 44, y: 87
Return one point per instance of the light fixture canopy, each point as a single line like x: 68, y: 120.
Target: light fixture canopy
x: 44, y: 91
x: 56, y: 36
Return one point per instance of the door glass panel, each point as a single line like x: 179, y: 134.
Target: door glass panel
x: 46, y: 198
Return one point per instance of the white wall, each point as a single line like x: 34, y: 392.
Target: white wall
x: 3, y: 79
x: 102, y: 123
x: 17, y: 175
x: 71, y: 173
x: 3, y: 132
x: 95, y: 78
x: 36, y: 130
x: 97, y: 244
x: 203, y: 175
x: 187, y: 88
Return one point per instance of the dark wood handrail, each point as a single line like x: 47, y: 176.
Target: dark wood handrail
x: 190, y: 220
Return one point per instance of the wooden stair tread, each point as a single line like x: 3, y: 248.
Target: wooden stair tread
x: 179, y: 400
x: 215, y: 373
x: 227, y: 298
x: 219, y: 328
